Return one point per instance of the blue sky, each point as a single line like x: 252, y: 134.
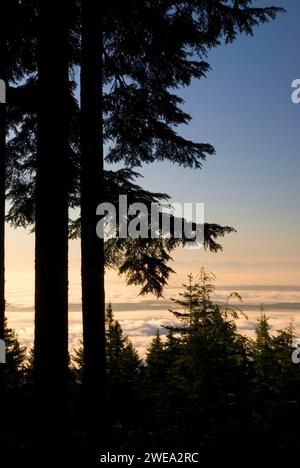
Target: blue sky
x: 244, y: 109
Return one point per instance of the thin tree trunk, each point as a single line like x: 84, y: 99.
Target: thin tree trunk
x: 3, y: 60
x: 92, y: 248
x: 2, y: 179
x: 51, y: 227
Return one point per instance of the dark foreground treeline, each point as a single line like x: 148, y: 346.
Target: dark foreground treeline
x: 202, y: 385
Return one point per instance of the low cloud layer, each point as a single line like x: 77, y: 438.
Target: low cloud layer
x: 141, y: 320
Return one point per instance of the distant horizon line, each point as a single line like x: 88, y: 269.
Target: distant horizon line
x: 158, y: 304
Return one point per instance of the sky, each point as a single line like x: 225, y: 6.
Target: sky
x: 244, y: 109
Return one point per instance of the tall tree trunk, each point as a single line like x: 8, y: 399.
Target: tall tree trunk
x: 3, y: 61
x: 51, y: 226
x: 2, y: 178
x: 92, y: 248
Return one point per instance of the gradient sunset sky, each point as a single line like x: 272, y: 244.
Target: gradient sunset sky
x: 244, y: 109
